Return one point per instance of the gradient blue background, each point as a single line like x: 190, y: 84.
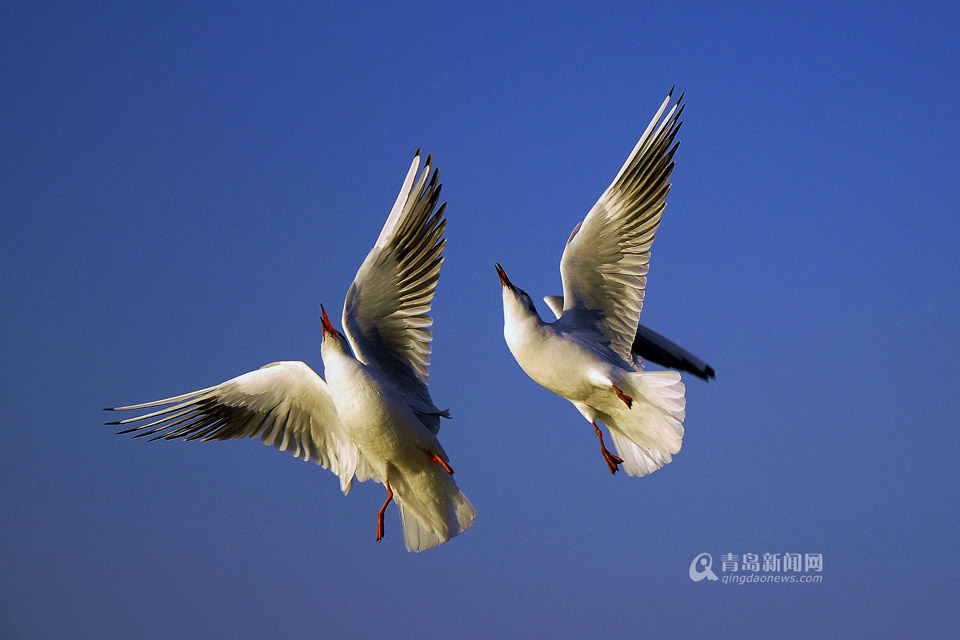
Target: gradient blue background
x: 182, y: 185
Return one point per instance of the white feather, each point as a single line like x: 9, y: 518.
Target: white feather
x: 373, y: 417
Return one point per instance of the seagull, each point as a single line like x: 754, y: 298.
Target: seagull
x: 372, y: 418
x: 588, y: 354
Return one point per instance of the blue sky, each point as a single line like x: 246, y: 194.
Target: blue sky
x: 183, y: 185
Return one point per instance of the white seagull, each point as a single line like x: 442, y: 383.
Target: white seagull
x: 586, y: 355
x: 373, y: 417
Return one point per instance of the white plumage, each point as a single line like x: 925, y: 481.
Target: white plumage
x: 587, y: 355
x: 373, y: 417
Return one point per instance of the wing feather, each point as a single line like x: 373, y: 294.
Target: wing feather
x: 386, y: 313
x: 605, y: 262
x: 285, y: 404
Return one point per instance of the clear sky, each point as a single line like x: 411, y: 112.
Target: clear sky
x: 182, y: 186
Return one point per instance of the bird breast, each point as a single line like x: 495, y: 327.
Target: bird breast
x: 558, y: 364
x: 377, y: 419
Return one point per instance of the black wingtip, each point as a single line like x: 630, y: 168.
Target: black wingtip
x: 706, y: 374
x: 112, y: 424
x: 671, y: 91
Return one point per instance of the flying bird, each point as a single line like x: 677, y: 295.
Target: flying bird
x: 589, y: 354
x: 372, y: 418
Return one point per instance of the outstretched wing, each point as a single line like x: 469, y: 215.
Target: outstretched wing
x: 386, y: 313
x: 604, y: 264
x: 285, y: 404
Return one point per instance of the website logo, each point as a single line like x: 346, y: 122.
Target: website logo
x: 701, y: 568
x: 751, y: 567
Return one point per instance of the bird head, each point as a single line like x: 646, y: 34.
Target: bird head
x: 336, y: 338
x: 517, y: 304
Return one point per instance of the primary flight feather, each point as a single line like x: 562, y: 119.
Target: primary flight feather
x: 589, y: 354
x: 372, y: 418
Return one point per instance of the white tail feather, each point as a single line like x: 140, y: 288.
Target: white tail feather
x: 651, y: 432
x: 432, y: 508
x: 637, y: 461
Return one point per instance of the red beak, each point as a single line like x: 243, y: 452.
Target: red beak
x: 327, y: 326
x: 504, y: 280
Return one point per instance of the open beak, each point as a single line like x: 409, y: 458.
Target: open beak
x: 327, y: 325
x: 504, y: 280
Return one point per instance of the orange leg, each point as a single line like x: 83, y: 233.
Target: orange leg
x: 436, y: 459
x: 627, y: 400
x: 382, y: 511
x: 611, y: 460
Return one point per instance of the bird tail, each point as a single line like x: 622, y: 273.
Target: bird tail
x: 432, y: 508
x: 650, y: 433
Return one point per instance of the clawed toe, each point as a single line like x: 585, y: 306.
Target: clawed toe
x: 612, y: 461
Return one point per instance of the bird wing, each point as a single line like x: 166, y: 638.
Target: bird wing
x: 556, y: 305
x: 386, y: 312
x: 650, y: 345
x: 285, y: 404
x: 604, y: 264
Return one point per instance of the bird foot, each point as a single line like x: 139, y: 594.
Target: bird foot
x: 611, y: 460
x: 627, y: 400
x: 383, y: 510
x: 436, y: 459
